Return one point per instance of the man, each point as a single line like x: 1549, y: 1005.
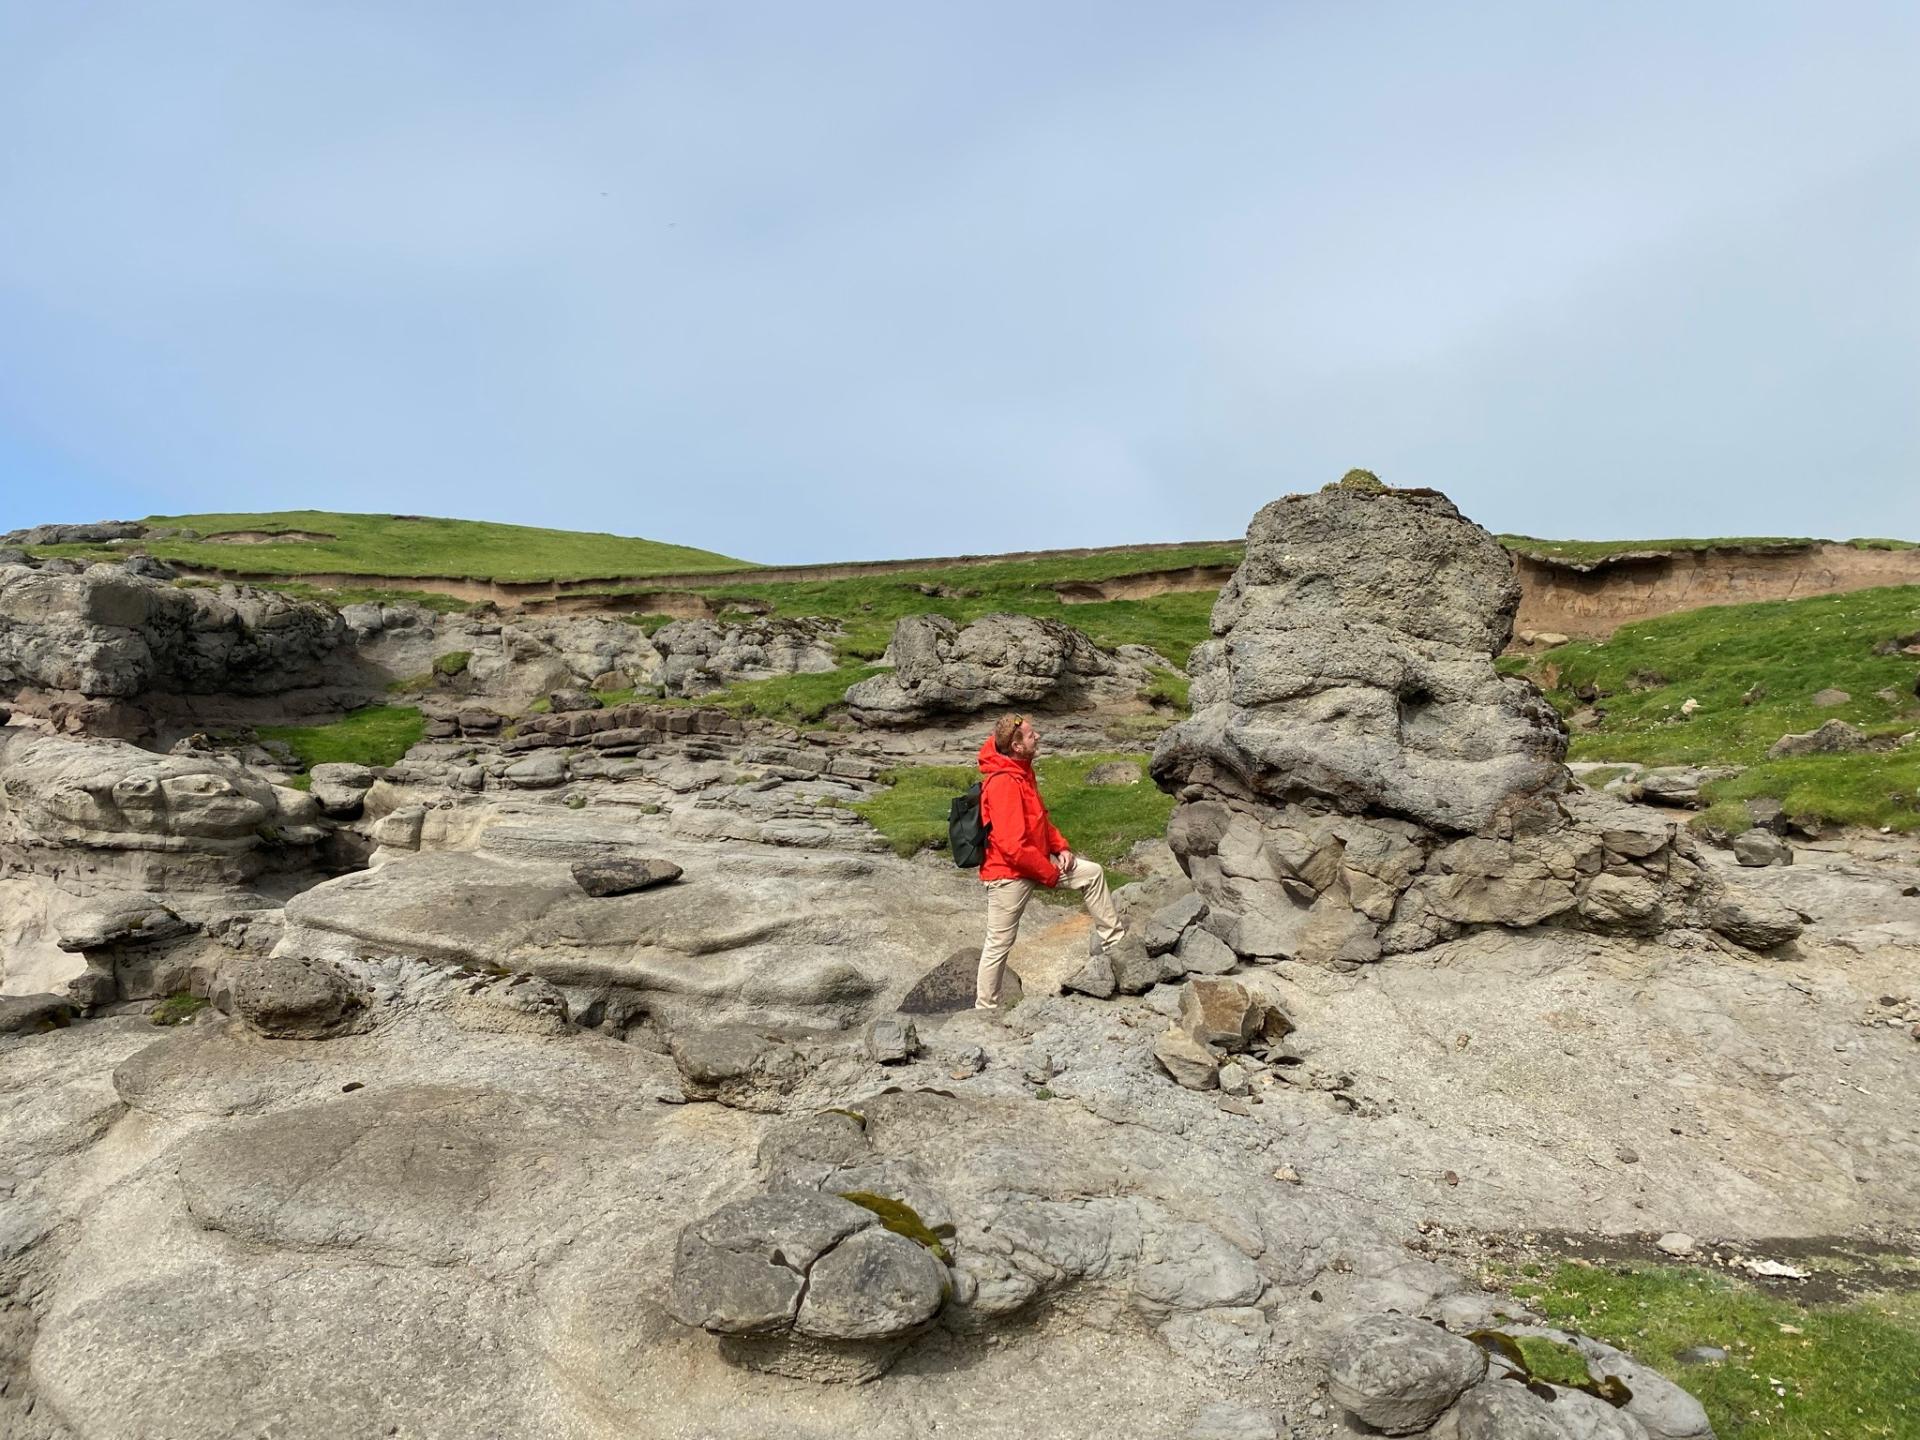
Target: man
x: 1024, y: 850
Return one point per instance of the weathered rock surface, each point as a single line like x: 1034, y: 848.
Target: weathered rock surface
x: 701, y: 656
x: 340, y: 789
x: 108, y: 631
x: 1835, y: 737
x: 1758, y: 848
x: 943, y: 668
x: 291, y: 998
x: 1399, y: 1374
x: 1358, y: 780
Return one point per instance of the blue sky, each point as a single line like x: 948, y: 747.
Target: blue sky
x: 803, y: 282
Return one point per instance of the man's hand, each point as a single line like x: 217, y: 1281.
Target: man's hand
x: 1064, y: 860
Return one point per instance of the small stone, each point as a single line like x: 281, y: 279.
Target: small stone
x: 1234, y: 1080
x: 968, y: 1061
x: 1759, y: 848
x: 604, y: 878
x: 891, y: 1040
x: 1037, y: 1067
x: 1701, y: 1355
x: 1220, y: 1012
x: 1187, y: 1060
x: 1627, y: 1155
x: 1827, y: 699
x: 1094, y: 978
x: 1287, y: 1175
x: 1170, y: 922
x: 1677, y: 1243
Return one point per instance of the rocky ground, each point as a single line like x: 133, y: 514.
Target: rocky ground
x: 518, y: 1087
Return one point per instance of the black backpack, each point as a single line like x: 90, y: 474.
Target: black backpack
x: 966, y: 834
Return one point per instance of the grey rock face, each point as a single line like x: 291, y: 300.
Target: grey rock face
x: 999, y: 660
x: 123, y: 920
x: 288, y: 998
x: 340, y: 789
x: 109, y: 632
x: 1399, y: 1374
x: 1353, y: 665
x: 1754, y: 919
x: 814, y: 1267
x: 25, y: 1014
x: 700, y: 656
x: 601, y: 878
x: 891, y: 1039
x: 1358, y: 780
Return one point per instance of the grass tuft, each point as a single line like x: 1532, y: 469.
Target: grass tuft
x: 373, y: 735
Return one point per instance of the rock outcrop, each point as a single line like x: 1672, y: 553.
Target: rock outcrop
x: 701, y: 656
x: 109, y: 631
x: 1357, y: 778
x: 940, y: 667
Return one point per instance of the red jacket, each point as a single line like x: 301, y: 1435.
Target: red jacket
x: 1022, y: 837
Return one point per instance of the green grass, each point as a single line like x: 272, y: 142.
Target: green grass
x: 1102, y: 822
x: 177, y: 1009
x: 1790, y: 649
x: 1169, y: 688
x: 400, y: 547
x: 1791, y: 1372
x: 373, y: 735
x: 867, y: 606
x: 1603, y: 549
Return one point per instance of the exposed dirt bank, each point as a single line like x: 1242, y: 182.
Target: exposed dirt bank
x: 1595, y: 598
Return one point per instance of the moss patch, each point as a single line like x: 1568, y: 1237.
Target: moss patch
x: 177, y: 1009
x: 902, y: 1219
x: 454, y: 662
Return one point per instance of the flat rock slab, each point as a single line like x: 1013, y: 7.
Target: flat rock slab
x: 951, y: 986
x: 601, y: 878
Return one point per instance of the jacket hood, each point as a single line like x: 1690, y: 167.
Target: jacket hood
x: 992, y: 762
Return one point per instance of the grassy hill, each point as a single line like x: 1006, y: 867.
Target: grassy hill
x: 1754, y: 669
x: 404, y: 546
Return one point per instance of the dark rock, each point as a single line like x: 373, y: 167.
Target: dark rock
x: 602, y: 878
x: 292, y: 998
x: 952, y: 985
x: 891, y: 1039
x: 28, y: 1014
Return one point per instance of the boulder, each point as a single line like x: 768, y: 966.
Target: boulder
x: 1170, y: 922
x: 1830, y: 698
x: 540, y: 771
x: 1200, y: 952
x: 1000, y: 660
x: 890, y: 1039
x: 1220, y: 1013
x: 603, y: 878
x: 1677, y: 785
x: 1758, y: 848
x: 287, y: 997
x: 1398, y: 1374
x: 1835, y: 737
x: 1115, y: 772
x: 1754, y: 919
x: 1358, y: 779
x: 340, y: 789
x: 737, y: 1066
x: 815, y: 1284
x: 1352, y: 666
x: 29, y: 1014
x: 1188, y: 1060
x: 108, y: 631
x: 953, y: 985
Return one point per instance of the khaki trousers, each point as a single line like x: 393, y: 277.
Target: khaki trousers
x: 1007, y: 901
